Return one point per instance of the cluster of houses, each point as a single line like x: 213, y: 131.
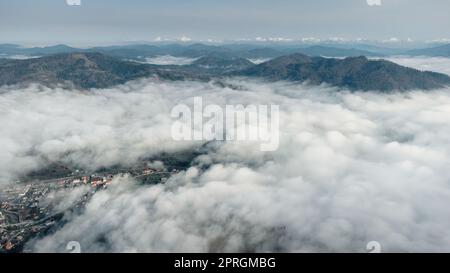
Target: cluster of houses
x: 24, y: 201
x: 102, y: 180
x: 93, y: 180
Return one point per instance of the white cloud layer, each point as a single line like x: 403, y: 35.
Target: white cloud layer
x: 259, y: 61
x: 170, y: 60
x: 85, y: 129
x: 436, y: 64
x: 351, y: 168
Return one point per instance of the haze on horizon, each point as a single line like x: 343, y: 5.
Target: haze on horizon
x: 97, y: 22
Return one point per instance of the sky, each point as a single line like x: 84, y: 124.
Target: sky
x: 112, y: 21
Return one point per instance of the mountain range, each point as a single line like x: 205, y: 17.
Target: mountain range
x: 248, y: 51
x: 439, y: 51
x: 87, y: 70
x: 355, y: 73
x: 82, y: 70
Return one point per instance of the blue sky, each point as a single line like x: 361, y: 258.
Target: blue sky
x: 110, y: 21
